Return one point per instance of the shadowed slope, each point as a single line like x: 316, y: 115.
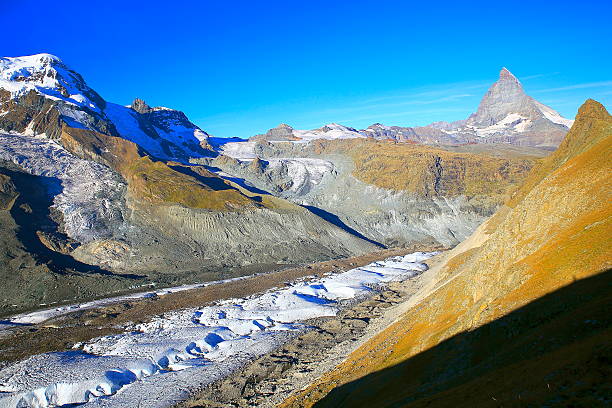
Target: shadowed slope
x: 555, y: 231
x: 553, y: 351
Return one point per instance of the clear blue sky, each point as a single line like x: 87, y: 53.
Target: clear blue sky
x: 238, y: 68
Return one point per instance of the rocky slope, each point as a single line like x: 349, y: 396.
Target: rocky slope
x: 125, y: 199
x: 518, y: 313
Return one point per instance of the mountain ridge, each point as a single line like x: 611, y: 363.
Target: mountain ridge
x: 554, y: 232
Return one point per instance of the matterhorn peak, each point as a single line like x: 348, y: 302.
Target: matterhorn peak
x: 505, y: 74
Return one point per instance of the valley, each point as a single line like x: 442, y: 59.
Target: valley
x: 145, y: 262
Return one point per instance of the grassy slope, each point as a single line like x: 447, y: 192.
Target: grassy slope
x: 486, y: 176
x: 555, y: 231
x: 154, y: 181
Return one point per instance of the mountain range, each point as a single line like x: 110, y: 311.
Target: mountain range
x: 509, y: 306
x: 131, y: 190
x: 506, y: 114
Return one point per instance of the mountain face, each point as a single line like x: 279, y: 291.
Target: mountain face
x: 39, y: 94
x: 521, y: 308
x: 117, y: 204
x: 506, y: 114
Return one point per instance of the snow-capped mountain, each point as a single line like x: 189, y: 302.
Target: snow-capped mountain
x: 163, y: 132
x: 284, y: 132
x: 506, y: 114
x: 48, y: 75
x: 39, y: 94
x: 506, y: 111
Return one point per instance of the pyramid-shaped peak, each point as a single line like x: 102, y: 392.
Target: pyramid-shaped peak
x: 505, y: 74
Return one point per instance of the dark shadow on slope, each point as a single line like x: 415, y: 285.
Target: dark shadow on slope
x: 31, y: 211
x: 216, y: 183
x: 555, y: 351
x: 333, y: 218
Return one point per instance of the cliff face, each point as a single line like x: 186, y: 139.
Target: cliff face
x: 517, y: 306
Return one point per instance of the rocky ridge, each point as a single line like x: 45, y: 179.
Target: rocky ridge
x: 506, y: 114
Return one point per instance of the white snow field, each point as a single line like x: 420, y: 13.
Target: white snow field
x: 159, y: 363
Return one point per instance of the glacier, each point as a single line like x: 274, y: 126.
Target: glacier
x: 161, y: 362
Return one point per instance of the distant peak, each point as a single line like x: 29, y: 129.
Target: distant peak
x: 44, y: 57
x: 284, y: 126
x: 505, y: 74
x: 140, y: 106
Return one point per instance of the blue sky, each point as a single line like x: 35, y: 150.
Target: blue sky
x: 237, y: 68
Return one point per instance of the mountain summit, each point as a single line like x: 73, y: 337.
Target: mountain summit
x: 506, y: 114
x: 505, y: 97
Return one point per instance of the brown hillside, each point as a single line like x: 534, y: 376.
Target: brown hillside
x: 432, y: 171
x: 519, y: 313
x: 156, y: 181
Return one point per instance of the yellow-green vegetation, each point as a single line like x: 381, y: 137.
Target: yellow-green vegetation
x: 430, y: 171
x: 520, y: 318
x: 156, y: 181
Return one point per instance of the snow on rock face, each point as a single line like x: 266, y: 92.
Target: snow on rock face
x: 91, y: 197
x: 47, y: 75
x: 203, y: 343
x: 284, y: 132
x: 169, y: 134
x: 331, y: 131
x: 554, y: 116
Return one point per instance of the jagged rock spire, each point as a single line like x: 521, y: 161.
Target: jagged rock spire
x: 140, y: 106
x: 504, y: 97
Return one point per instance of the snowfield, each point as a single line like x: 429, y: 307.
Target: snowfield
x: 158, y: 363
x: 239, y: 150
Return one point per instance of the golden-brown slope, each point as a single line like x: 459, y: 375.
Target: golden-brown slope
x: 556, y: 232
x: 433, y: 171
x: 156, y: 181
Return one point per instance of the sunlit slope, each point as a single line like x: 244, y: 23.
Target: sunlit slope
x: 156, y: 181
x: 502, y: 312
